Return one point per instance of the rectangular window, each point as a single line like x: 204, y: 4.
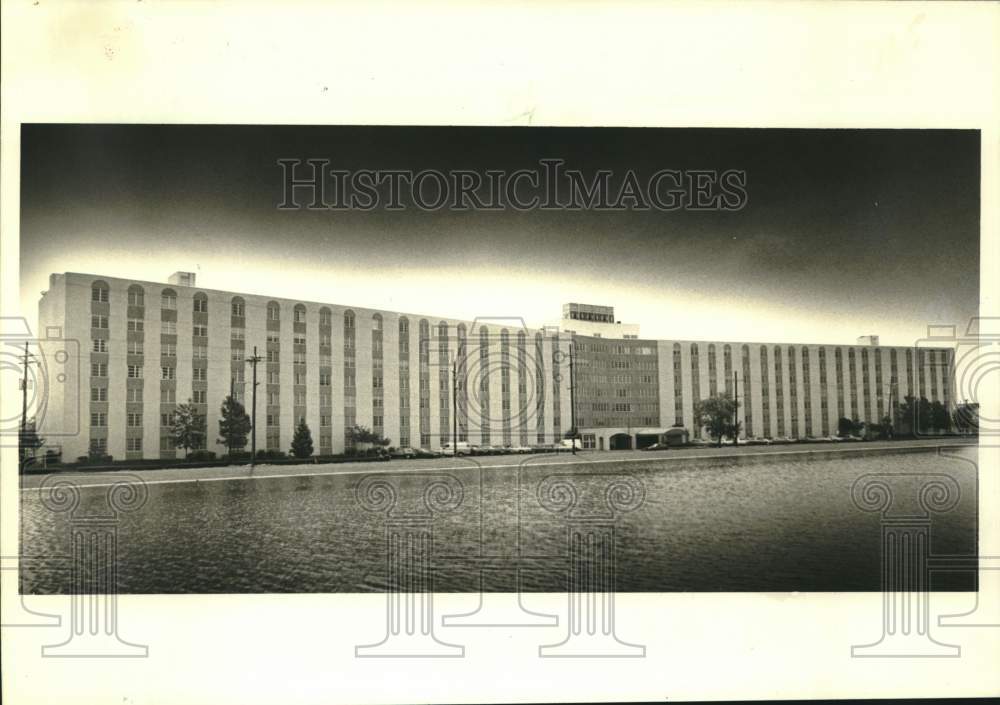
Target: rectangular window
x: 100, y: 322
x: 199, y: 375
x: 239, y: 309
x: 273, y: 399
x: 135, y: 347
x: 238, y: 334
x: 167, y: 420
x: 168, y: 350
x: 99, y: 419
x: 100, y: 295
x: 201, y: 331
x: 133, y: 394
x: 273, y: 378
x: 168, y: 301
x: 201, y: 305
x: 169, y: 328
x: 299, y: 358
x: 100, y: 345
x: 169, y: 373
x: 99, y: 369
x: 200, y: 352
x: 299, y: 340
x: 135, y: 371
x: 98, y: 394
x: 199, y: 396
x: 272, y: 356
x: 324, y: 340
x: 136, y: 325
x: 324, y: 379
x: 300, y: 399
x: 168, y: 396
x: 133, y: 420
x: 133, y: 445
x: 136, y: 298
x: 300, y: 378
x: 299, y: 316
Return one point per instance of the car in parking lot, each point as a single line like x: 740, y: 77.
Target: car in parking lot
x: 407, y: 452
x: 657, y: 446
x: 460, y: 448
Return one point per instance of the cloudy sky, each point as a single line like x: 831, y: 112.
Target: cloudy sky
x: 844, y: 233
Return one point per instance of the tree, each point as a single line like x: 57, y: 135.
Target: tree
x: 966, y: 417
x: 845, y: 427
x: 188, y: 428
x: 715, y: 415
x: 940, y: 419
x: 362, y: 434
x: 234, y: 425
x: 302, y: 442
x: 29, y: 442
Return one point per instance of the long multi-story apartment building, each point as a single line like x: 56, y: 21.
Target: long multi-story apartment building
x: 130, y: 351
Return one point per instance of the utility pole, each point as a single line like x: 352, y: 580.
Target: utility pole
x: 253, y: 360
x: 23, y: 456
x: 454, y: 405
x: 572, y: 397
x: 736, y: 409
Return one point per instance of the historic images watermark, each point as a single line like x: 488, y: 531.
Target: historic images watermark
x: 316, y: 184
x: 907, y: 502
x: 586, y: 503
x: 40, y: 368
x: 91, y: 508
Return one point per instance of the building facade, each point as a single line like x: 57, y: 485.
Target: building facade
x: 131, y: 351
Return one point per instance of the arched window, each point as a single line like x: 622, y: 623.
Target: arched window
x: 325, y: 317
x: 238, y: 307
x: 100, y: 292
x: 168, y: 299
x: 200, y: 303
x: 299, y: 314
x: 404, y: 326
x: 136, y: 296
x: 348, y: 320
x: 377, y: 321
x: 273, y: 311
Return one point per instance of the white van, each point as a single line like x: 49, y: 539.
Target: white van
x: 462, y: 448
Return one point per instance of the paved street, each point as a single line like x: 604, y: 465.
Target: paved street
x: 263, y: 471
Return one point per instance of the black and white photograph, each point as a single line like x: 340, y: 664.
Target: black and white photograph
x: 355, y: 295
x: 585, y: 392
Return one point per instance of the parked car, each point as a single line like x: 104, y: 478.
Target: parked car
x: 657, y: 446
x: 408, y: 452
x: 460, y: 448
x: 758, y: 441
x: 522, y: 449
x: 568, y: 443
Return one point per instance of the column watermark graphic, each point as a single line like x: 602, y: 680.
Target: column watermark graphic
x: 94, y: 619
x: 590, y: 505
x: 906, y: 504
x: 409, y: 560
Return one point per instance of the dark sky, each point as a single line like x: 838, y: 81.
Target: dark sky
x: 845, y: 232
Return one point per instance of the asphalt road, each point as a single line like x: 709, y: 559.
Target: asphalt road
x: 666, y: 457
